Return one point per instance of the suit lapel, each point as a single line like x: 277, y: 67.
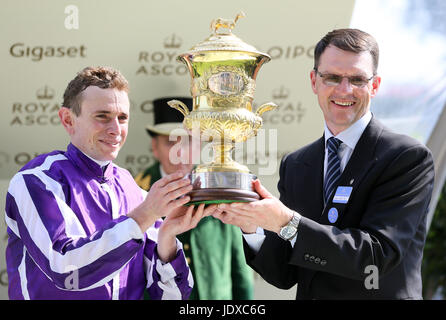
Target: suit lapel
x: 361, y: 161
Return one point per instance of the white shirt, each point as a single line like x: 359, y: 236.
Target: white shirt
x: 349, y: 138
x: 102, y: 163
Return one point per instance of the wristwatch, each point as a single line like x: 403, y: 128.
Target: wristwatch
x: 289, y: 231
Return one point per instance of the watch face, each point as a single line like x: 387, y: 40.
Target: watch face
x: 288, y: 231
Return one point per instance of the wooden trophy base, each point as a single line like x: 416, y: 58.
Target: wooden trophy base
x: 221, y: 195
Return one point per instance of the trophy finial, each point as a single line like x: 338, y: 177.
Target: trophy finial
x: 226, y: 23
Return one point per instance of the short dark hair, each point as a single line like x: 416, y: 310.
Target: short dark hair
x: 353, y: 40
x: 102, y: 77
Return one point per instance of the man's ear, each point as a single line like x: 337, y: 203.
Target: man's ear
x: 67, y: 119
x: 375, y: 85
x: 313, y: 81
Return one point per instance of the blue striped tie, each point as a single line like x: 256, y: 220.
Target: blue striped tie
x: 333, y: 167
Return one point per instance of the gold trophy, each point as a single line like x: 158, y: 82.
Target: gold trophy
x: 223, y: 70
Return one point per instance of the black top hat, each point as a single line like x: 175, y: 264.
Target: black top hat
x: 167, y: 118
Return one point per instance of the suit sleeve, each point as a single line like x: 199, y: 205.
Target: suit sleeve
x: 272, y: 260
x: 394, y: 215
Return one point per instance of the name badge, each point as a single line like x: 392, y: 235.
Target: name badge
x: 342, y: 194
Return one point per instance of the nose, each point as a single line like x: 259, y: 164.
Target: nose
x: 345, y: 85
x: 114, y: 127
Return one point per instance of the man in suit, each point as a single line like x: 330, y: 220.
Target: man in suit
x: 351, y: 219
x: 214, y: 250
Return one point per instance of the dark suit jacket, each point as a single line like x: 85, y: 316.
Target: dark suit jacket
x: 383, y: 224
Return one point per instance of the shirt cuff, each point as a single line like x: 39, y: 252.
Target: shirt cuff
x: 293, y: 241
x: 255, y: 240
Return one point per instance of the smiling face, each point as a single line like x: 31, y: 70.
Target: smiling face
x: 101, y: 127
x: 344, y: 104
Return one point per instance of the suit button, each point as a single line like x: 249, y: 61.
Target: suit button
x: 188, y: 260
x: 306, y: 257
x: 323, y: 262
x: 312, y: 259
x: 317, y: 260
x: 186, y: 246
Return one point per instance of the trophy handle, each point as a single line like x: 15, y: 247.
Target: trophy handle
x: 260, y: 110
x: 266, y: 107
x: 180, y: 106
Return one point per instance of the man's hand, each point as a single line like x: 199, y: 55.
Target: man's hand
x: 178, y: 221
x: 268, y: 213
x: 164, y: 196
x: 183, y: 219
x: 241, y: 220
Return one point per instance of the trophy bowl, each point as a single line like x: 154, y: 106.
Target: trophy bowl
x: 223, y: 69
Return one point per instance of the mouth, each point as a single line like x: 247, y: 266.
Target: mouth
x: 113, y: 144
x: 343, y: 104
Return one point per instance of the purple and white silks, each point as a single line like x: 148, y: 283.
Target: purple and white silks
x: 70, y: 238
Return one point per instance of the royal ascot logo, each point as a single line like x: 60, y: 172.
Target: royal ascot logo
x: 172, y: 42
x: 45, y: 93
x: 281, y: 93
x: 162, y: 62
x: 38, y: 53
x: 290, y: 111
x: 42, y: 112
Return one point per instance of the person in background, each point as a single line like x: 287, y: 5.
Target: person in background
x: 351, y: 219
x: 79, y: 226
x: 213, y: 250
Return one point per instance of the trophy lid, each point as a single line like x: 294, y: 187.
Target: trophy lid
x: 222, y: 39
